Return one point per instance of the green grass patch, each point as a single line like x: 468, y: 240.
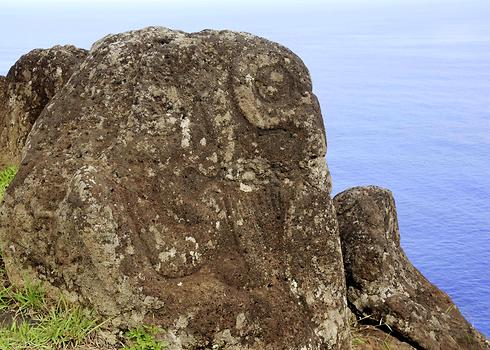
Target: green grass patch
x: 60, y: 327
x: 6, y: 177
x: 358, y: 340
x: 31, y: 321
x: 35, y: 322
x: 143, y: 338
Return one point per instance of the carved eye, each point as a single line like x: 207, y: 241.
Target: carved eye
x: 271, y: 89
x: 273, y: 84
x: 266, y: 95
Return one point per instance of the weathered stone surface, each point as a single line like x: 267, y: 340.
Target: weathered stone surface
x: 3, y: 90
x: 30, y: 84
x: 3, y: 102
x: 383, y: 283
x: 180, y: 179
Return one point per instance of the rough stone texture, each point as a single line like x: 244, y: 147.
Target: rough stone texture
x: 3, y: 90
x: 180, y: 179
x: 29, y: 85
x: 383, y: 283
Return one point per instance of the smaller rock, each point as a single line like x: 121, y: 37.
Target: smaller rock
x: 28, y: 87
x: 383, y: 284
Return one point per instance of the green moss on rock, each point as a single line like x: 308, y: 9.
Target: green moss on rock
x: 6, y: 177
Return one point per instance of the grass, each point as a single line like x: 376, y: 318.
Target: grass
x: 36, y: 323
x: 59, y: 328
x: 143, y: 338
x: 29, y: 298
x: 6, y: 177
x: 362, y: 338
x: 370, y: 333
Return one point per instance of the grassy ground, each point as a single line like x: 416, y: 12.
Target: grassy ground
x: 29, y: 321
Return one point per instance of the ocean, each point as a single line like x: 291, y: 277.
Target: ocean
x: 405, y: 93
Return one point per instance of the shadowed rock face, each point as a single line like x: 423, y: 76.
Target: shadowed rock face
x: 3, y: 88
x: 180, y: 179
x: 34, y: 79
x: 383, y: 283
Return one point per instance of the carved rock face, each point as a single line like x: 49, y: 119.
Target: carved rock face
x: 34, y: 79
x: 180, y: 179
x: 383, y: 284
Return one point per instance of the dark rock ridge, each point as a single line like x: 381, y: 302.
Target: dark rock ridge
x: 382, y: 283
x: 187, y: 187
x: 26, y: 90
x: 180, y: 179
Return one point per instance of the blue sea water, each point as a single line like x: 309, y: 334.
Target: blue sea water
x: 405, y: 93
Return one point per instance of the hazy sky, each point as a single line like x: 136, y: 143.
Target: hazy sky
x: 206, y: 3
x: 28, y: 24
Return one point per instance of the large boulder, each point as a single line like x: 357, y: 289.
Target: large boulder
x: 180, y: 179
x: 29, y: 85
x: 382, y: 283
